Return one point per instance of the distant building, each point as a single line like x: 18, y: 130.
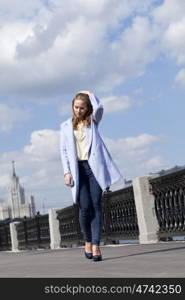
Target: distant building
x: 19, y: 204
x: 31, y: 202
x: 127, y: 182
x: 5, y: 210
x: 168, y: 171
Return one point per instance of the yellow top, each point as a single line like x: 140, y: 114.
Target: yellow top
x: 81, y: 142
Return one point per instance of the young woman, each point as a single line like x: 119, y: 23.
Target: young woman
x: 88, y: 167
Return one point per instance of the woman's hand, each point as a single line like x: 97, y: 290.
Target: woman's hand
x: 68, y: 179
x: 86, y: 92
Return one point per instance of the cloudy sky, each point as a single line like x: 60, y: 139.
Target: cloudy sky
x: 130, y: 53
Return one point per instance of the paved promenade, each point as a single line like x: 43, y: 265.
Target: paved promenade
x: 165, y: 259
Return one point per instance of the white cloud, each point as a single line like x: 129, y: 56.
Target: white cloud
x: 11, y: 117
x: 180, y: 77
x: 129, y: 143
x: 140, y: 141
x: 169, y: 11
x: 116, y: 103
x: 68, y: 49
x: 169, y: 17
x: 11, y: 34
x: 4, y: 181
x: 44, y: 145
x: 23, y: 10
x: 173, y: 40
x: 136, y: 156
x: 154, y: 163
x: 136, y: 47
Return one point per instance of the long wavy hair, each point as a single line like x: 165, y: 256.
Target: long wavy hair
x: 87, y: 117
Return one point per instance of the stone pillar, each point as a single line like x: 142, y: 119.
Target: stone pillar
x: 14, y: 239
x: 145, y: 207
x: 54, y: 229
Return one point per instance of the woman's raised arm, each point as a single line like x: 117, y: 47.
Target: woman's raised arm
x: 97, y: 106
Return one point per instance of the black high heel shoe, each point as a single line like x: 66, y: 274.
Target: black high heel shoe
x: 97, y: 257
x: 88, y: 255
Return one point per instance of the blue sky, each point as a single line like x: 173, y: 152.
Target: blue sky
x: 131, y: 54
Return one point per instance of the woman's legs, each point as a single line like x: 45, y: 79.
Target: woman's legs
x: 85, y: 209
x: 96, y: 210
x: 90, y: 201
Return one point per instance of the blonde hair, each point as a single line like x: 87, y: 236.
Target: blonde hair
x: 87, y: 117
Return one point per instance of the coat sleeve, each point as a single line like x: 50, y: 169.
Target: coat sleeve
x: 63, y: 152
x: 97, y: 108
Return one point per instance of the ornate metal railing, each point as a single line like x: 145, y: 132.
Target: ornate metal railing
x: 34, y: 232
x: 69, y: 226
x: 169, y: 193
x: 119, y: 219
x: 5, y: 239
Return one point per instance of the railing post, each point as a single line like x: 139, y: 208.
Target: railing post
x: 145, y: 207
x: 25, y: 231
x: 55, y: 238
x: 37, y: 218
x: 14, y: 238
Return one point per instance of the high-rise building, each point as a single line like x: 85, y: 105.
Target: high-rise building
x: 21, y: 206
x: 5, y: 210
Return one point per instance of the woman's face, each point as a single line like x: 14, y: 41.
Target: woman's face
x: 80, y: 108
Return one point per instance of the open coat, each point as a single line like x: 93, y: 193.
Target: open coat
x: 99, y: 159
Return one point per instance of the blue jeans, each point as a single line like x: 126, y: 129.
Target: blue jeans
x: 90, y: 203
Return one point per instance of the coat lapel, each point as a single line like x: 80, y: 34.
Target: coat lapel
x: 70, y: 137
x: 88, y: 132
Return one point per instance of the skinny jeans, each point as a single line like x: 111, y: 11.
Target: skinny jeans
x: 90, y: 204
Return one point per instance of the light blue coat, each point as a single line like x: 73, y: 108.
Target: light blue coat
x: 99, y: 159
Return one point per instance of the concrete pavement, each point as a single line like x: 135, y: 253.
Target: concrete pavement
x: 164, y: 259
